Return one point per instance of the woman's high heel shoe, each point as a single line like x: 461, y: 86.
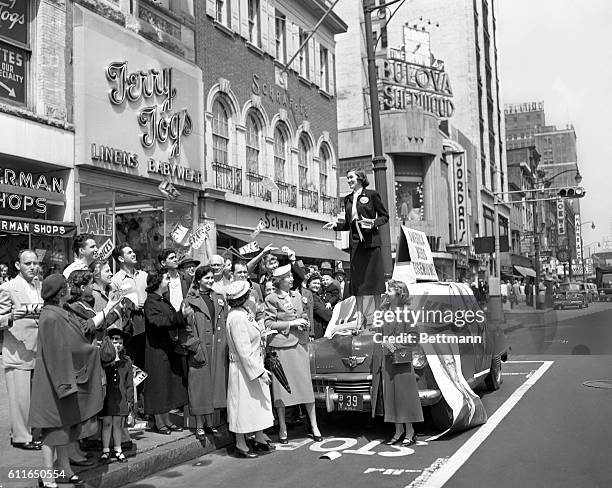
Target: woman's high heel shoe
x: 394, y: 441
x: 245, y: 454
x: 409, y: 441
x: 317, y: 438
x: 263, y: 446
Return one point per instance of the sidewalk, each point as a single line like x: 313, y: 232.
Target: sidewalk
x: 155, y: 452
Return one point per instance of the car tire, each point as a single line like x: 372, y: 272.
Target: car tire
x: 494, y: 379
x: 441, y: 415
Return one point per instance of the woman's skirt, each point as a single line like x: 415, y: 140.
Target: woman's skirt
x: 367, y: 271
x: 400, y: 393
x: 296, y: 364
x: 61, y: 436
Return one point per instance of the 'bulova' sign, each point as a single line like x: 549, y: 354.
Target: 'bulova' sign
x: 157, y: 122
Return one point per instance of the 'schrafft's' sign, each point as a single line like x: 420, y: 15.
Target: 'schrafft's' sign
x: 404, y: 84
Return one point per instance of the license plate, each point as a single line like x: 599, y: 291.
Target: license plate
x: 350, y: 402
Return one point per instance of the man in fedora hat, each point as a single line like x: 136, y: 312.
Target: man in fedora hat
x: 345, y: 287
x: 187, y: 267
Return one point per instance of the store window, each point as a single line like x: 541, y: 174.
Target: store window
x: 220, y: 132
x: 280, y: 153
x: 409, y: 199
x: 146, y: 224
x: 253, y: 142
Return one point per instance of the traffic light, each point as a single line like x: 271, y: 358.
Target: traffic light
x: 572, y: 192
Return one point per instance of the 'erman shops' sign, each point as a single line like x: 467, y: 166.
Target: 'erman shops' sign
x: 137, y: 107
x: 403, y: 84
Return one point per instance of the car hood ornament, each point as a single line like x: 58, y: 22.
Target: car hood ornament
x: 353, y: 361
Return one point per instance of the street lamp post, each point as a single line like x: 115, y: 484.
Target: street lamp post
x: 378, y: 161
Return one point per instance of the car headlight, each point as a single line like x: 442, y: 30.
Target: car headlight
x: 419, y: 359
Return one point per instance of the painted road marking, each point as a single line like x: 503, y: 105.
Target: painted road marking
x: 442, y: 470
x: 391, y: 471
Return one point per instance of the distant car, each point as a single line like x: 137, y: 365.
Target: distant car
x: 573, y: 294
x: 342, y: 374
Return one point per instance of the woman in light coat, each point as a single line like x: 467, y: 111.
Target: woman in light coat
x: 249, y: 405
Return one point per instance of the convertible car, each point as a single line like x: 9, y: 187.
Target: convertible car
x: 341, y: 365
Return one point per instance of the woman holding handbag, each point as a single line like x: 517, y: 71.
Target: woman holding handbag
x: 205, y: 312
x: 392, y: 372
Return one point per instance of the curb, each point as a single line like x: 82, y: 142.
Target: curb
x: 153, y: 460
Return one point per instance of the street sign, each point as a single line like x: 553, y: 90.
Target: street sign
x: 563, y: 255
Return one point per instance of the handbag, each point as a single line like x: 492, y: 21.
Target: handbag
x: 402, y: 355
x: 108, y: 353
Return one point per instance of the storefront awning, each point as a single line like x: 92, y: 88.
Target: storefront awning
x: 307, y: 248
x: 527, y: 272
x: 50, y: 228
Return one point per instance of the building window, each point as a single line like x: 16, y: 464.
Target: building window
x: 220, y: 132
x: 304, y: 161
x: 281, y: 36
x: 323, y: 63
x: 324, y: 165
x: 220, y: 13
x: 304, y: 57
x: 409, y: 198
x: 253, y: 136
x: 280, y: 153
x: 254, y: 24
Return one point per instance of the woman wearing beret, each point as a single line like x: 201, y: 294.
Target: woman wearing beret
x: 286, y: 315
x: 249, y: 406
x: 165, y: 386
x: 67, y: 384
x: 364, y: 213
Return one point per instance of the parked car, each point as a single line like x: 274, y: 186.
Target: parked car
x: 573, y: 294
x: 341, y: 366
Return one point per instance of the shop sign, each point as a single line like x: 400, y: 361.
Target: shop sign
x: 578, y: 236
x: 14, y: 20
x: 249, y: 248
x: 13, y: 80
x: 37, y: 228
x: 560, y: 217
x: 273, y: 221
x: 105, y: 250
x: 413, y: 247
x: 521, y: 108
x: 403, y: 84
x: 24, y: 191
x: 462, y: 234
x: 278, y: 97
x: 96, y: 223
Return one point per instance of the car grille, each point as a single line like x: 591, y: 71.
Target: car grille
x: 343, y: 386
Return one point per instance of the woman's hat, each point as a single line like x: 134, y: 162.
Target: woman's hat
x: 237, y: 289
x: 282, y: 271
x: 116, y: 330
x: 52, y: 285
x: 340, y: 271
x: 187, y: 261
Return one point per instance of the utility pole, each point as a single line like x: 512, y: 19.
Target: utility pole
x: 379, y: 161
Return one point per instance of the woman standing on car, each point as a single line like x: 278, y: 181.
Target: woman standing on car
x: 392, y: 371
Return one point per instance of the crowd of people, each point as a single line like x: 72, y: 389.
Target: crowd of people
x: 75, y: 338
x: 206, y: 336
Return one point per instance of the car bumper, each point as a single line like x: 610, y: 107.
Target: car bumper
x: 327, y: 390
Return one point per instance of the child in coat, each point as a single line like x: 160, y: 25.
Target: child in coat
x: 119, y: 397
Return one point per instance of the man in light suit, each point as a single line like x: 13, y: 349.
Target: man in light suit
x: 20, y: 304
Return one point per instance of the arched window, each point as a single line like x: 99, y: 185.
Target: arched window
x: 280, y: 153
x: 304, y: 161
x: 253, y: 142
x: 324, y: 166
x: 220, y: 131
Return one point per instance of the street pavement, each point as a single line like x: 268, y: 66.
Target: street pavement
x: 545, y: 428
